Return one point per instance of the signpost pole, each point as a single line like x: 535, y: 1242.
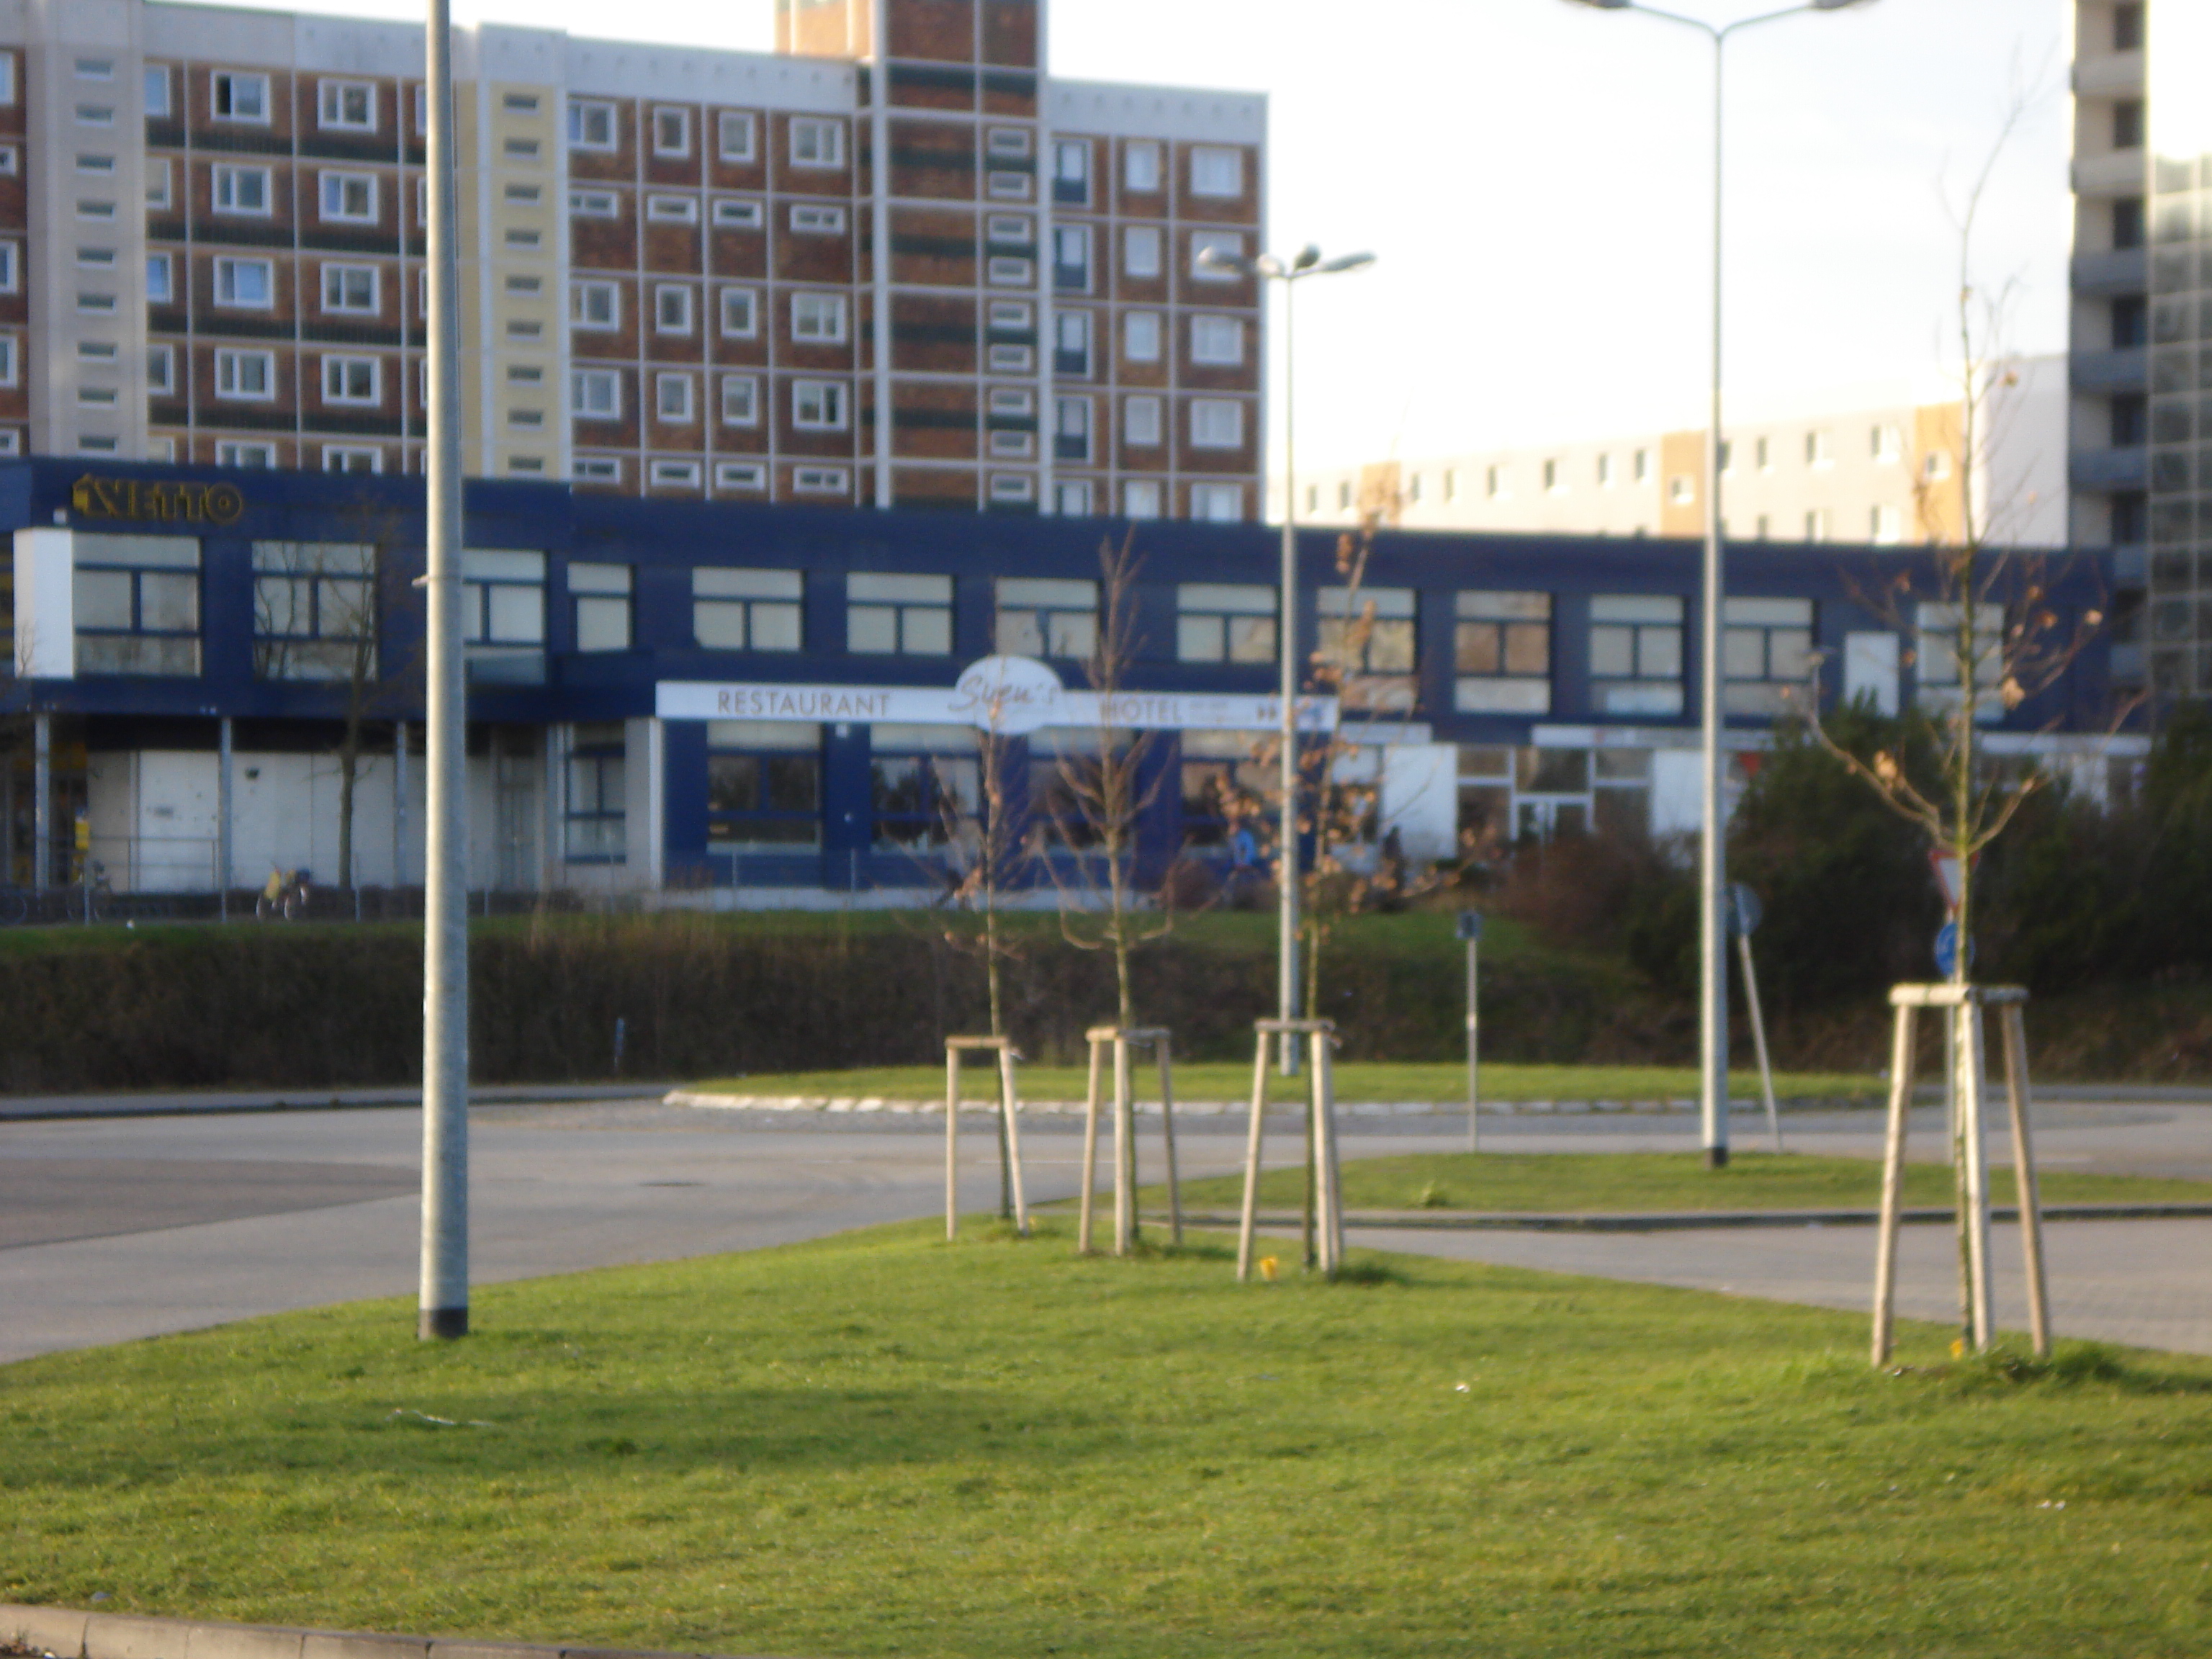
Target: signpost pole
x: 1470, y: 929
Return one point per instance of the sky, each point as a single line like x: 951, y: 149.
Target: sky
x: 1535, y: 179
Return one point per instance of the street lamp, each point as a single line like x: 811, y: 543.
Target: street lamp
x: 1307, y: 262
x: 1712, y: 938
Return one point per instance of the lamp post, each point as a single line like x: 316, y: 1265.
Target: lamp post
x: 1712, y: 877
x: 1307, y: 262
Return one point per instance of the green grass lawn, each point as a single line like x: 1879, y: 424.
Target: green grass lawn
x: 879, y: 1444
x: 1650, y: 1180
x: 1356, y: 1080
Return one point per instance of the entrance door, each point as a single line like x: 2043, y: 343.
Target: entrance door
x: 515, y: 785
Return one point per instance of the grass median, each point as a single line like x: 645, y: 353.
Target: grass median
x: 1613, y: 1182
x: 1442, y: 1083
x: 882, y: 1444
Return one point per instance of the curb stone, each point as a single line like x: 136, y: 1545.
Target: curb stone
x: 711, y: 1100
x: 68, y: 1633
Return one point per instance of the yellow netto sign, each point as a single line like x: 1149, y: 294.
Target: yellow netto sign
x: 165, y: 503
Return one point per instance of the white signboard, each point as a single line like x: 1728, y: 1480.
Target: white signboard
x: 1007, y: 694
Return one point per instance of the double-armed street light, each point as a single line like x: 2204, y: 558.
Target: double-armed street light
x: 1267, y: 267
x: 1712, y: 879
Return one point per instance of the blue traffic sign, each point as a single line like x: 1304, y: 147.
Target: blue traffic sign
x: 1470, y: 925
x: 1947, y: 949
x: 1744, y: 909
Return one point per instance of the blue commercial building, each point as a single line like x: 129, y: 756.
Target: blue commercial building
x: 754, y: 703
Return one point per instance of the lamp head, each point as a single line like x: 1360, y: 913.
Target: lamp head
x: 1308, y: 258
x: 1839, y: 5
x: 1214, y: 259
x: 1349, y: 262
x: 1605, y: 5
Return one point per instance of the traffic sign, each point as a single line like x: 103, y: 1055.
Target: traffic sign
x: 1947, y: 949
x: 1950, y: 877
x: 1744, y: 910
x: 1470, y: 925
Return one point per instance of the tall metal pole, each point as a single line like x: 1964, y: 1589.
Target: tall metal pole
x: 1286, y: 863
x: 225, y: 865
x: 1712, y: 847
x: 42, y: 801
x: 444, y: 1302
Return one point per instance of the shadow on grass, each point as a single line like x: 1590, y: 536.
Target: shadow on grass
x: 2070, y: 1365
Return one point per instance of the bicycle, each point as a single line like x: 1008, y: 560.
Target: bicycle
x: 284, y: 894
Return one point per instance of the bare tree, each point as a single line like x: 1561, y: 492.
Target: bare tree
x: 1097, y: 798
x: 972, y: 810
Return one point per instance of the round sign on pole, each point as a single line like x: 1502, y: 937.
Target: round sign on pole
x: 1947, y: 949
x: 1744, y: 910
x: 1011, y: 695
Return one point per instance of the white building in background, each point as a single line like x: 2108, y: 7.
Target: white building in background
x: 1877, y: 463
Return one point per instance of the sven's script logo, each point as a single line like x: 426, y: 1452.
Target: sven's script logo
x: 1009, y: 695
x: 168, y: 504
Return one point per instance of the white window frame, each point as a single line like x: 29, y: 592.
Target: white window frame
x: 230, y: 361
x: 1141, y: 167
x: 229, y: 267
x: 737, y: 299
x: 820, y: 405
x: 741, y: 475
x: 821, y: 481
x: 1208, y: 412
x: 585, y: 385
x: 241, y: 452
x: 1143, y: 254
x: 162, y: 380
x: 333, y: 188
x: 161, y: 290
x: 583, y: 294
x: 339, y: 370
x: 158, y: 186
x: 1228, y: 241
x: 330, y: 106
x: 669, y: 299
x: 223, y: 196
x: 818, y: 319
x: 1217, y: 502
x: 587, y: 114
x: 671, y: 209
x: 1142, y: 334
x: 224, y: 87
x: 1217, y: 341
x: 1143, y: 422
x: 675, y: 398
x: 817, y: 219
x: 738, y: 121
x: 816, y: 142
x: 732, y: 213
x: 662, y: 474
x: 592, y: 204
x: 740, y: 400
x: 339, y: 458
x: 1207, y: 161
x: 11, y: 359
x: 333, y: 293
x: 682, y: 117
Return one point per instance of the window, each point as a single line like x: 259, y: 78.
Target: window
x: 1003, y: 270
x: 352, y: 457
x: 740, y: 313
x: 95, y: 163
x: 1218, y: 503
x: 818, y: 221
x: 503, y: 616
x: 1642, y: 466
x: 10, y: 267
x: 138, y: 604
x: 1886, y: 444
x: 1217, y: 340
x: 818, y: 406
x: 925, y: 786
x: 161, y: 371
x: 314, y: 611
x: 1216, y: 424
x: 815, y: 142
x: 898, y: 616
x: 745, y: 609
x: 1762, y: 453
x: 1502, y: 653
x: 1141, y: 167
x: 1936, y: 665
x: 1224, y: 622
x: 591, y: 204
x: 1072, y: 429
x: 596, y: 394
x: 672, y: 131
x: 96, y: 302
x: 241, y: 190
x: 1140, y: 421
x: 1936, y: 465
x: 672, y: 308
x: 1367, y: 634
x: 1885, y: 526
x: 599, y: 595
x: 594, y: 814
x: 1605, y: 471
x: 1012, y: 488
x: 1682, y: 489
x: 740, y: 400
x: 351, y: 380
x: 157, y: 183
x: 1817, y: 451
x: 594, y: 305
x: 1728, y: 456
x: 232, y: 452
x: 349, y: 105
x: 1072, y: 498
x: 349, y: 198
x: 819, y: 317
x: 763, y: 786
x: 160, y: 289
x: 1041, y: 617
x: 1141, y: 251
x: 95, y: 115
x: 349, y: 288
x: 1141, y: 336
x: 519, y: 103
x: 1816, y: 523
x: 1070, y: 257
x: 672, y: 210
x: 733, y: 134
x: 95, y: 68
x: 740, y: 475
x: 1766, y: 654
x: 91, y: 210
x: 673, y: 399
x: 246, y: 376
x: 1010, y: 142
x: 597, y: 468
x: 590, y: 125
x: 1227, y: 242
x: 1140, y: 499
x: 156, y: 87
x: 1635, y: 653
x: 1216, y: 171
x: 1011, y: 359
x: 1010, y: 229
x: 1071, y: 172
x: 820, y: 480
x: 738, y: 216
x: 239, y: 97
x: 1005, y: 184
x: 1072, y: 342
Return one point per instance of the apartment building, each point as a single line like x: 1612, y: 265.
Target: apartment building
x: 889, y: 263
x: 1878, y: 465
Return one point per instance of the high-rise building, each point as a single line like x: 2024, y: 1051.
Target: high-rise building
x: 891, y: 263
x: 2109, y: 371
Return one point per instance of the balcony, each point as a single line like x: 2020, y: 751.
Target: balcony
x: 2100, y: 472
x: 2121, y: 271
x: 2117, y: 173
x: 2109, y: 75
x: 2127, y: 369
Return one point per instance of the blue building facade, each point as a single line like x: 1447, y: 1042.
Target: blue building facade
x: 669, y: 695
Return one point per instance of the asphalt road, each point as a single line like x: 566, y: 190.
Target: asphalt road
x: 117, y: 1229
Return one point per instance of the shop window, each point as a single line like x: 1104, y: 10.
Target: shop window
x: 1766, y: 654
x: 1367, y: 634
x: 314, y: 611
x: 503, y: 616
x: 925, y: 786
x: 1502, y: 654
x: 601, y: 596
x: 898, y: 616
x: 1635, y: 653
x: 1046, y: 617
x: 595, y: 826
x: 745, y: 609
x: 1224, y: 622
x: 137, y: 603
x: 763, y: 786
x: 1225, y: 783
